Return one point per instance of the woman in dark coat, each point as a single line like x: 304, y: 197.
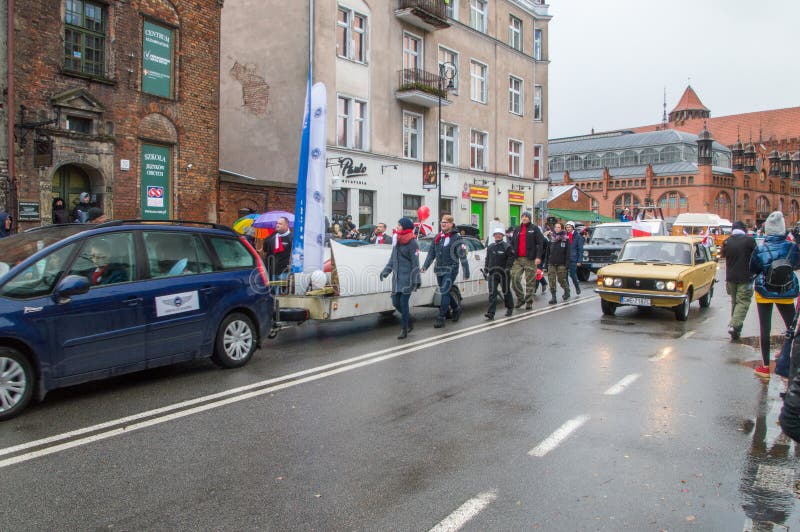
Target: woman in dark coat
x: 404, y: 262
x: 60, y: 213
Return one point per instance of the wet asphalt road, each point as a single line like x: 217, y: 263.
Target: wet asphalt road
x: 557, y: 419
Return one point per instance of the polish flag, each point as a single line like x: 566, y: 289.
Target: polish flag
x: 708, y: 239
x: 639, y: 228
x: 423, y: 229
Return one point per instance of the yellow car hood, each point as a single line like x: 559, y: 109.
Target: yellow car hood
x: 644, y: 270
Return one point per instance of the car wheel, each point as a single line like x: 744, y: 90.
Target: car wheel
x: 608, y: 307
x: 705, y: 301
x: 236, y: 341
x: 682, y: 310
x: 583, y: 274
x: 17, y: 381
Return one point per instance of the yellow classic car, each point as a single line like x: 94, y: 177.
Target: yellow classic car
x: 658, y: 271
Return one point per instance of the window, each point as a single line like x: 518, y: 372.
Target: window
x: 514, y: 157
x: 451, y: 9
x: 412, y: 135
x: 670, y: 154
x: 574, y: 162
x: 478, y: 74
x: 514, y: 95
x: 339, y: 204
x: 232, y: 254
x: 477, y: 149
x: 478, y: 11
x: 625, y: 201
x: 41, y: 277
x: 629, y: 158
x: 648, y: 156
x: 84, y: 37
x: 412, y: 52
x: 592, y: 161
x: 351, y: 35
x: 610, y: 160
x: 449, y: 144
x: 537, y: 102
x: 106, y: 259
x: 171, y: 254
x: 366, y: 203
x: 449, y: 56
x: 538, y: 150
x: 515, y: 33
x: 556, y: 164
x: 351, y: 123
x: 79, y: 124
x: 411, y: 204
x: 537, y: 45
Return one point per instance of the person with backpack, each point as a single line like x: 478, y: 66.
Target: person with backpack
x: 773, y: 263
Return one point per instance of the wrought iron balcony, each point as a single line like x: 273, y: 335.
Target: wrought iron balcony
x: 430, y: 15
x: 419, y: 87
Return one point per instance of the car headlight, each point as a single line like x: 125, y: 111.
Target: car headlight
x: 608, y: 281
x: 617, y: 283
x: 660, y: 285
x: 670, y: 285
x: 585, y: 254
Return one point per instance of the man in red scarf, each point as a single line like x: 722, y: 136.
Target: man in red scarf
x: 380, y: 236
x: 278, y: 250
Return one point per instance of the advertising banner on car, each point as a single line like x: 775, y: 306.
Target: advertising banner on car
x: 155, y: 182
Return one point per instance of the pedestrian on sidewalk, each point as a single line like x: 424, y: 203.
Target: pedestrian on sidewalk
x: 448, y: 250
x: 497, y: 270
x: 575, y: 254
x: 773, y: 264
x: 404, y: 263
x: 558, y: 261
x: 737, y: 250
x: 527, y: 244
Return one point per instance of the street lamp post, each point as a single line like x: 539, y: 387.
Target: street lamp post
x: 447, y: 72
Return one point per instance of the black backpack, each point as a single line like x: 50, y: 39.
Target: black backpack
x: 779, y: 275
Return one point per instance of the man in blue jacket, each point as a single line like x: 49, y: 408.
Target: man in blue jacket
x: 448, y: 250
x: 575, y: 254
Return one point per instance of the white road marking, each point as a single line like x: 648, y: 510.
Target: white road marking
x: 619, y: 387
x: 465, y: 512
x: 686, y: 335
x: 555, y: 439
x: 201, y: 404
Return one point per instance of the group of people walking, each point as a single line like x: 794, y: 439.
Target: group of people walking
x: 526, y: 254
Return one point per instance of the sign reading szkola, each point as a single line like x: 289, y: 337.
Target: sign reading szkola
x: 155, y: 182
x: 157, y: 60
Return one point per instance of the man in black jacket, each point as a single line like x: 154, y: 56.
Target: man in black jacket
x: 558, y: 261
x: 737, y: 250
x: 497, y: 270
x: 448, y: 251
x: 278, y: 250
x: 527, y: 244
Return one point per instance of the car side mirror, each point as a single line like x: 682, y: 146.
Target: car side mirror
x: 71, y: 285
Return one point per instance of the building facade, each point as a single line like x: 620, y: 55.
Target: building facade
x: 387, y: 67
x: 118, y: 99
x: 663, y: 164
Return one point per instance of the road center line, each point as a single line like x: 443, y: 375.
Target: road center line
x: 465, y: 512
x: 555, y: 439
x: 201, y: 404
x: 619, y: 387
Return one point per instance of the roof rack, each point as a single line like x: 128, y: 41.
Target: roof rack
x: 114, y: 223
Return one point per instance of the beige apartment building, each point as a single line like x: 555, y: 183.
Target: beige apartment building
x: 388, y: 65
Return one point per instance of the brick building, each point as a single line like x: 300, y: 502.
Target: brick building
x: 119, y: 99
x: 752, y: 166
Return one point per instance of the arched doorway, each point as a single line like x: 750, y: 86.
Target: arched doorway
x: 68, y: 183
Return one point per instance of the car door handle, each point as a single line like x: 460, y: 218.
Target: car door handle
x: 133, y: 301
x: 207, y: 289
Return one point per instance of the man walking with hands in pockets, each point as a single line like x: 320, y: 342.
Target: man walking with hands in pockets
x: 448, y: 250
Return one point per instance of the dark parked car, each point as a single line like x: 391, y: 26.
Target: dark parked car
x: 83, y: 304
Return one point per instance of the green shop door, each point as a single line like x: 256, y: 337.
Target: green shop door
x: 477, y: 216
x: 513, y: 215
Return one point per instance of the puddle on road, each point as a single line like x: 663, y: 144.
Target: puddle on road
x: 775, y: 344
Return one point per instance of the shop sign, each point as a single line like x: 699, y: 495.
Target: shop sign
x: 155, y: 182
x: 28, y: 210
x: 157, y: 60
x: 516, y: 197
x: 479, y: 193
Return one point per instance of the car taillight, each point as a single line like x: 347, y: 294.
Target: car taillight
x: 262, y: 270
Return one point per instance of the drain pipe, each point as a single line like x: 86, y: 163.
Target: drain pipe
x: 11, y: 199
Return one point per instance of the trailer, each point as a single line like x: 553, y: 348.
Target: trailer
x: 354, y: 287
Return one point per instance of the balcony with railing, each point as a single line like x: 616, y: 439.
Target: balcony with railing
x: 429, y: 15
x: 419, y: 87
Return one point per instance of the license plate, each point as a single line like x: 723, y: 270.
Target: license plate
x: 640, y: 301
x: 600, y: 264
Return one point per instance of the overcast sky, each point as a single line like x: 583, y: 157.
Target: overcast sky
x: 611, y: 60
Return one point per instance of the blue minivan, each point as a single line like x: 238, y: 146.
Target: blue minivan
x: 80, y: 303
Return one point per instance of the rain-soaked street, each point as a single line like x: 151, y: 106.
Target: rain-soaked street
x: 556, y: 419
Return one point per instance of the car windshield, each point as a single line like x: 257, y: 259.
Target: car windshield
x: 15, y: 249
x: 611, y: 232
x: 657, y: 252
